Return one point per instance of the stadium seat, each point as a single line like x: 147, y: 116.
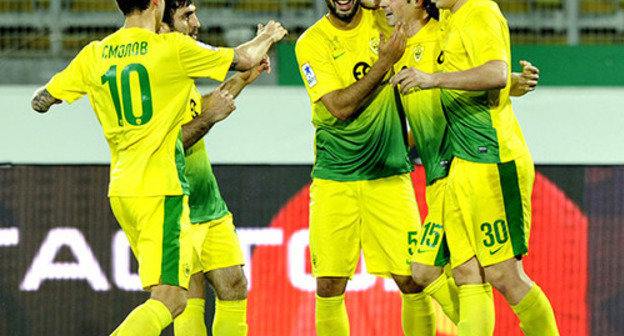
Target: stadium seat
x: 299, y: 3
x: 214, y: 3
x: 548, y: 4
x: 514, y: 6
x: 598, y: 6
x: 16, y: 6
x: 92, y: 5
x: 259, y: 6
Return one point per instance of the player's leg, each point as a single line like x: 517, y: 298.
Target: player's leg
x: 220, y: 260
x: 430, y: 253
x: 511, y: 236
x: 158, y: 233
x: 191, y: 321
x: 476, y: 301
x: 334, y: 250
x: 230, y: 286
x: 331, y: 311
x: 476, y: 306
x: 389, y: 218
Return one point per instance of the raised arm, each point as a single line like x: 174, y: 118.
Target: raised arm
x: 42, y: 100
x: 249, y: 54
x: 218, y: 105
x: 344, y: 102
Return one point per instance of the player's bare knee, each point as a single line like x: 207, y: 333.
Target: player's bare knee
x: 197, y: 286
x: 330, y: 287
x: 424, y: 275
x: 229, y: 283
x: 173, y: 297
x: 508, y: 277
x: 406, y: 284
x: 234, y: 289
x: 469, y: 273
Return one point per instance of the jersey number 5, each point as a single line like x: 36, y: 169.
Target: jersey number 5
x: 110, y: 77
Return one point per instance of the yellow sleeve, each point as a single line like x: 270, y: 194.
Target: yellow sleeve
x: 316, y: 67
x: 202, y: 60
x: 484, y: 36
x: 71, y: 83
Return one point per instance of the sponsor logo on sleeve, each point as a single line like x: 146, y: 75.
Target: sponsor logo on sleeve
x: 309, y: 75
x: 207, y: 46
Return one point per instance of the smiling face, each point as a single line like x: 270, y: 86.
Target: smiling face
x: 344, y: 10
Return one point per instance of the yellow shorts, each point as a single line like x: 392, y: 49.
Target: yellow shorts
x: 375, y: 216
x: 487, y: 210
x: 216, y: 245
x: 429, y: 247
x: 158, y: 231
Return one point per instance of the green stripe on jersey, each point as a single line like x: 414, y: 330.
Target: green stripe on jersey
x: 444, y: 254
x: 181, y: 163
x: 170, y: 263
x: 512, y: 199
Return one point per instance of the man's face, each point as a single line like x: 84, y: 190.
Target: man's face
x: 397, y: 10
x: 185, y: 21
x: 344, y: 10
x: 444, y: 4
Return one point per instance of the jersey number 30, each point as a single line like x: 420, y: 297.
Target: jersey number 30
x: 110, y: 77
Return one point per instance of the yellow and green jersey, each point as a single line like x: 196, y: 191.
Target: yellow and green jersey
x: 370, y: 144
x: 139, y: 84
x: 205, y: 199
x: 483, y: 127
x: 422, y: 107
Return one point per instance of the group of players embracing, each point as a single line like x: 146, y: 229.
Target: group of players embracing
x: 370, y: 68
x: 445, y: 67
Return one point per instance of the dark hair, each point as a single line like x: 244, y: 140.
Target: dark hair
x: 431, y: 9
x: 129, y: 6
x: 171, y: 6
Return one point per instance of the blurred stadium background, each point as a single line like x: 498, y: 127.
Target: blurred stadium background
x: 65, y: 269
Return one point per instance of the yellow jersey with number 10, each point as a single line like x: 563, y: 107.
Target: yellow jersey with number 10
x: 139, y: 84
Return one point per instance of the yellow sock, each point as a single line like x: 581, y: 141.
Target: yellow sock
x: 147, y: 319
x: 191, y: 321
x: 536, y: 314
x: 230, y: 318
x: 331, y: 316
x: 476, y: 310
x: 443, y: 289
x: 417, y: 315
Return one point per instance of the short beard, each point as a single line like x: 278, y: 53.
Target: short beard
x: 343, y: 17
